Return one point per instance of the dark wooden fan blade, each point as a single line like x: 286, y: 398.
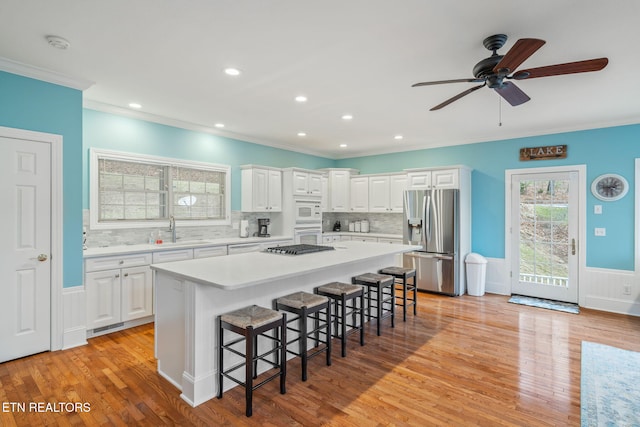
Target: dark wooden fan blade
x: 455, y: 98
x: 439, y: 82
x: 512, y: 94
x: 559, y: 69
x: 519, y: 53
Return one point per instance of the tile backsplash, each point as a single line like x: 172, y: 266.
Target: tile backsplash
x: 386, y: 223
x: 136, y: 236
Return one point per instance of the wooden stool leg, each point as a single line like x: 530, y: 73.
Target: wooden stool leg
x: 220, y: 357
x: 283, y: 355
x: 249, y: 370
x: 379, y: 307
x: 404, y: 298
x: 361, y: 318
x: 303, y: 342
x: 328, y: 336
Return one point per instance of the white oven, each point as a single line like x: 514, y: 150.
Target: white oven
x: 308, y: 212
x: 310, y: 235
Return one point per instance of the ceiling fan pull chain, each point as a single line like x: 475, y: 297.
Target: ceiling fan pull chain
x: 499, y: 111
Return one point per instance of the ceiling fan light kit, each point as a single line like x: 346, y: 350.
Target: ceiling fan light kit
x: 496, y: 69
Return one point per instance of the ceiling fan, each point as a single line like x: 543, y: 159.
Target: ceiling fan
x: 495, y: 70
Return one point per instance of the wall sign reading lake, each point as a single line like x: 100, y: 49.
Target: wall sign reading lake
x: 543, y: 153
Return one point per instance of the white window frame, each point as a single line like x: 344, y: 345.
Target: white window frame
x: 96, y: 224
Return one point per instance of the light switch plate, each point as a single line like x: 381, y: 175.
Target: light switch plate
x: 600, y: 231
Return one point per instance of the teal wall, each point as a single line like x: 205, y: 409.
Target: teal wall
x: 609, y: 150
x: 112, y: 132
x: 43, y: 107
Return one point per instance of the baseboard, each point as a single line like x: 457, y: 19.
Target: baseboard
x: 612, y: 305
x: 74, y: 337
x: 92, y: 333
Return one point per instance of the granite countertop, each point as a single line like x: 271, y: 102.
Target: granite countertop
x: 131, y: 249
x: 230, y: 273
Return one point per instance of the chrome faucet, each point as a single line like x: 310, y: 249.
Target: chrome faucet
x: 172, y: 228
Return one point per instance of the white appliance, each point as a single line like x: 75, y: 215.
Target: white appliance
x: 308, y: 235
x: 307, y: 212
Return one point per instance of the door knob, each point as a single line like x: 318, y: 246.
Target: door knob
x: 43, y: 257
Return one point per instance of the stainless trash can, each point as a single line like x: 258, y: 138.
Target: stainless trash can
x: 476, y: 274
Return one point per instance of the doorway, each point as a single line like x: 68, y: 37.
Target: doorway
x: 31, y: 249
x: 544, y: 233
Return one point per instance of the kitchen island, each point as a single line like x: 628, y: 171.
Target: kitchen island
x: 189, y: 295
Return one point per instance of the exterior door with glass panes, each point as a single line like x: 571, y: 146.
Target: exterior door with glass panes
x: 544, y: 235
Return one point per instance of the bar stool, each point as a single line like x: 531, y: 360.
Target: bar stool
x: 253, y: 322
x: 308, y: 306
x: 344, y: 297
x: 404, y: 274
x: 383, y: 286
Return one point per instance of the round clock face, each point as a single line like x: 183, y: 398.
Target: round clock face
x: 609, y: 187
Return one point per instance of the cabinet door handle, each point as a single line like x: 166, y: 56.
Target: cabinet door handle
x: 117, y: 275
x: 126, y: 274
x: 573, y: 246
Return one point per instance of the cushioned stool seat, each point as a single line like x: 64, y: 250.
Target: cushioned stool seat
x: 308, y: 306
x: 380, y: 289
x: 252, y: 322
x: 402, y: 276
x: 344, y: 297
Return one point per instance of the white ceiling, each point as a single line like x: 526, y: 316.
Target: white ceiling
x: 347, y: 56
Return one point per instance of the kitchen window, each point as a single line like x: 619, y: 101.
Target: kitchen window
x: 132, y: 190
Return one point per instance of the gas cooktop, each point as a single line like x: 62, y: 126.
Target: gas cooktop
x: 298, y: 249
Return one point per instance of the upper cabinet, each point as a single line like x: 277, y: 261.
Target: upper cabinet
x: 434, y: 178
x: 305, y: 183
x: 385, y: 192
x: 261, y: 189
x: 339, y: 189
x: 359, y: 200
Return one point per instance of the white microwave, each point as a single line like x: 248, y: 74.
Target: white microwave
x: 308, y: 211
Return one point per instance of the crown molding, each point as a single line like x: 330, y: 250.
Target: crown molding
x: 25, y: 70
x: 140, y: 115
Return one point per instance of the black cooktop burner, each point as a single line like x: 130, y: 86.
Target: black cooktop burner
x: 298, y: 249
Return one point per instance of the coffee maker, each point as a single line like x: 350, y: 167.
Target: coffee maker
x: 263, y: 227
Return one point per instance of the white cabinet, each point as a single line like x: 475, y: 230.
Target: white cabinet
x: 339, y: 190
x: 261, y: 189
x: 118, y: 294
x: 244, y: 248
x: 172, y: 255
x: 359, y: 199
x: 390, y: 241
x: 209, y: 251
x: 306, y: 183
x: 435, y: 178
x: 364, y: 238
x: 386, y: 193
x: 324, y: 201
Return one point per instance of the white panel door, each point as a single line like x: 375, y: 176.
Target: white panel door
x: 397, y: 186
x: 25, y: 268
x: 103, y: 298
x: 379, y: 194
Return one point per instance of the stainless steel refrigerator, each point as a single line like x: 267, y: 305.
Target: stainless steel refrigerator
x: 432, y: 220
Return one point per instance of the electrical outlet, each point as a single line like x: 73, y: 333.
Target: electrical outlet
x: 597, y: 209
x: 600, y: 231
x: 626, y: 290
x: 235, y: 225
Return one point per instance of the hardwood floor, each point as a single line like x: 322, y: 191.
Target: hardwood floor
x: 461, y: 361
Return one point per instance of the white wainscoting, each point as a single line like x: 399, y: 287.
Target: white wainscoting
x: 603, y: 289
x: 599, y: 288
x: 75, y: 315
x: 497, y: 280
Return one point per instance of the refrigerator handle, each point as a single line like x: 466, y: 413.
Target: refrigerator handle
x: 426, y: 212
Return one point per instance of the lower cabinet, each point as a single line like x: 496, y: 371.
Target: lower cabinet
x: 118, y: 295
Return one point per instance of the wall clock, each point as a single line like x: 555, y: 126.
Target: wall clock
x: 609, y: 187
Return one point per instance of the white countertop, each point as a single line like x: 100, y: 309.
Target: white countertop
x: 131, y: 249
x: 250, y: 269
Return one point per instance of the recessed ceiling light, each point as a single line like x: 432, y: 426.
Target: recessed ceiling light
x: 219, y: 125
x: 58, y: 42
x: 347, y: 117
x: 343, y: 145
x: 301, y: 98
x: 134, y: 105
x: 232, y: 71
x: 398, y: 137
x: 302, y: 134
